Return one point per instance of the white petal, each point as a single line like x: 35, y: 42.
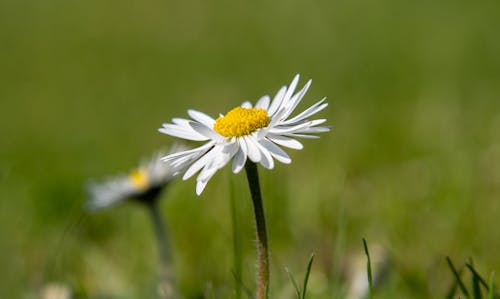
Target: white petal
x: 239, y: 161
x: 296, y: 135
x: 263, y: 102
x: 253, y: 150
x: 206, y: 174
x: 278, y: 99
x: 277, y: 117
x: 266, y: 159
x: 200, y: 186
x: 202, y: 118
x: 295, y: 100
x: 202, y: 162
x: 312, y: 130
x: 261, y: 133
x: 181, y: 121
x: 317, y: 122
x: 285, y: 141
x: 217, y: 158
x: 280, y: 130
x: 308, y: 112
x: 296, y: 127
x: 192, y: 152
x: 291, y: 89
x: 181, y: 161
x: 240, y: 157
x: 182, y: 132
x: 228, y: 150
x: 276, y: 151
x: 205, y: 131
x: 246, y: 104
x: 202, y: 180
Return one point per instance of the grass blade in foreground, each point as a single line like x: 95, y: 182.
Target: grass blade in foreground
x: 476, y: 275
x: 457, y: 277
x: 491, y: 294
x: 306, y: 277
x: 368, y: 270
x: 294, y: 282
x: 453, y: 289
x: 476, y: 279
x: 301, y: 294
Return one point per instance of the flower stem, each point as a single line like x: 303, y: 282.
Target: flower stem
x: 167, y: 283
x: 260, y: 226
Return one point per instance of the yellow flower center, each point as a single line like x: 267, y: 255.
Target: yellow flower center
x: 139, y: 179
x: 241, y: 121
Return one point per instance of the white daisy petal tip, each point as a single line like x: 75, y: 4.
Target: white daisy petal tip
x: 246, y: 104
x: 201, y: 117
x: 200, y: 186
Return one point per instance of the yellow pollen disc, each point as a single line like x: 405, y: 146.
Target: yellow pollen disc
x: 139, y: 179
x: 241, y: 121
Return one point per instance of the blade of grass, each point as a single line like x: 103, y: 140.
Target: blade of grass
x: 457, y: 277
x: 306, y: 278
x: 301, y: 294
x: 491, y: 294
x: 476, y: 275
x: 294, y: 282
x: 453, y: 288
x: 476, y: 288
x: 368, y: 270
x: 246, y: 290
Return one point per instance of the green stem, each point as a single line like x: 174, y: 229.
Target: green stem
x: 260, y: 226
x: 167, y: 284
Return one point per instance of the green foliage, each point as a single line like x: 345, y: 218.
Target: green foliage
x: 477, y: 283
x: 301, y: 293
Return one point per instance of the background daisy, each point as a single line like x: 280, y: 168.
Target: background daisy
x: 142, y: 183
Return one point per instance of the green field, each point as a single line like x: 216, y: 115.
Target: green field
x: 412, y: 163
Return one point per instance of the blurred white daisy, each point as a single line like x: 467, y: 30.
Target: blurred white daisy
x: 142, y: 183
x: 249, y: 131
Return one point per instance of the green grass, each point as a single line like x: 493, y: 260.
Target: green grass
x: 301, y: 292
x: 478, y: 283
x: 412, y: 162
x: 368, y: 270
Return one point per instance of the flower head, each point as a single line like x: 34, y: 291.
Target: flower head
x: 142, y: 183
x: 253, y: 132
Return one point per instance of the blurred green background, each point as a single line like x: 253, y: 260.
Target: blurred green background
x: 412, y: 163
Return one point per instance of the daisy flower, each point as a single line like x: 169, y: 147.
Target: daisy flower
x: 246, y: 132
x: 142, y: 183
